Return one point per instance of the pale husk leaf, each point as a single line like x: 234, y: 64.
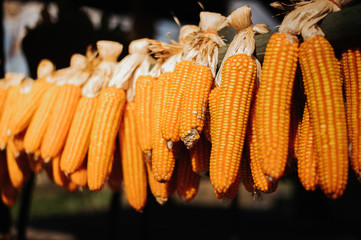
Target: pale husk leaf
x: 109, y: 50
x: 26, y: 85
x: 14, y: 79
x: 45, y: 68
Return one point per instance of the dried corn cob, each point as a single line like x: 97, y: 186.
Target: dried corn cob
x: 246, y: 176
x: 134, y: 169
x: 200, y: 155
x: 17, y: 144
x: 24, y: 112
x: 9, y: 194
x: 103, y: 134
x: 143, y: 111
x: 115, y: 179
x: 57, y: 175
x: 163, y: 159
x: 18, y: 168
x: 213, y: 98
x: 79, y: 177
x: 36, y: 129
x: 304, y: 150
x: 36, y: 163
x: 351, y: 69
x: 232, y: 191
x: 14, y: 81
x: 187, y: 181
x: 323, y: 88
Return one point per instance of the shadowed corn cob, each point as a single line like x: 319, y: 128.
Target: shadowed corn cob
x: 58, y: 176
x: 78, y: 139
x: 170, y: 117
x: 18, y: 168
x: 163, y: 159
x: 36, y: 163
x: 351, y: 69
x: 194, y: 104
x: 103, y: 135
x: 273, y: 103
x: 79, y: 177
x: 238, y: 80
x: 115, y: 178
x: 17, y: 143
x: 60, y: 120
x: 143, y: 111
x: 304, y: 150
x: 187, y: 181
x: 200, y: 155
x: 134, y: 169
x: 323, y: 88
x: 9, y: 194
x: 36, y: 129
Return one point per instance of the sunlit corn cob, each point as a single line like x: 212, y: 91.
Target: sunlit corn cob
x: 323, y: 88
x: 115, y: 178
x: 79, y: 176
x: 200, y: 154
x: 173, y: 97
x: 304, y: 150
x: 18, y: 168
x: 103, y: 135
x: 8, y: 108
x: 160, y: 190
x: 238, y: 80
x: 38, y: 124
x: 187, y: 181
x: 163, y: 159
x: 78, y: 139
x: 25, y: 111
x: 133, y: 165
x: 143, y: 111
x: 273, y: 103
x: 60, y: 120
x: 351, y: 71
x: 194, y: 104
x: 58, y: 176
x: 17, y: 143
x: 212, y: 99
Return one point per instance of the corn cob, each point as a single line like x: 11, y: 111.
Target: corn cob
x: 232, y: 191
x: 57, y: 175
x: 273, y: 103
x: 187, y: 181
x: 36, y: 129
x: 60, y: 121
x: 246, y: 177
x: 18, y: 168
x: 160, y: 190
x: 213, y: 98
x: 323, y: 88
x: 9, y: 194
x: 103, y: 134
x: 200, y: 155
x: 351, y: 69
x: 143, y: 111
x: 77, y: 143
x: 115, y: 179
x: 17, y: 143
x: 134, y: 170
x: 304, y: 150
x: 238, y: 80
x: 79, y: 177
x: 3, y: 95
x: 36, y: 163
x: 173, y: 97
x: 163, y: 159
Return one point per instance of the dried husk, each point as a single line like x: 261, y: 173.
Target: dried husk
x: 26, y: 86
x: 45, y: 68
x: 109, y: 50
x: 243, y: 42
x: 124, y: 70
x: 14, y: 79
x: 304, y: 16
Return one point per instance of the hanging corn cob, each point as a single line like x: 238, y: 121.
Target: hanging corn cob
x: 133, y: 165
x: 115, y: 179
x: 187, y: 181
x: 204, y: 51
x: 170, y: 122
x: 62, y: 114
x: 351, y: 69
x: 24, y: 112
x: 79, y: 177
x: 14, y: 81
x: 107, y: 119
x: 77, y: 143
x: 41, y: 117
x: 3, y: 93
x: 18, y: 168
x: 304, y: 150
x: 321, y: 77
x: 200, y: 154
x: 238, y: 78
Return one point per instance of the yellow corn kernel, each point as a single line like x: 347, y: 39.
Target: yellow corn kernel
x: 200, y: 155
x: 323, y: 88
x: 212, y: 99
x: 233, y: 104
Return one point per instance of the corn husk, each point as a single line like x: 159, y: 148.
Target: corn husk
x: 45, y: 68
x: 243, y: 42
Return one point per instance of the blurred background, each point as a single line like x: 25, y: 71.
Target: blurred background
x: 33, y: 30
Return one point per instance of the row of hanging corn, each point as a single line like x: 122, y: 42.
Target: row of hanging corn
x: 165, y: 115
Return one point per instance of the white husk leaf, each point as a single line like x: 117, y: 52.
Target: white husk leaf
x: 3, y: 84
x: 78, y: 78
x: 45, y: 68
x: 240, y: 18
x: 304, y: 17
x: 14, y: 79
x: 170, y: 64
x: 26, y: 86
x: 212, y: 21
x: 109, y: 50
x: 98, y: 79
x: 138, y: 52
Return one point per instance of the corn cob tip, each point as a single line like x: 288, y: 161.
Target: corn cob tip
x: 161, y: 200
x: 191, y: 138
x: 47, y: 159
x: 148, y: 158
x: 16, y: 154
x: 2, y: 146
x: 8, y: 132
x: 169, y: 144
x: 269, y: 178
